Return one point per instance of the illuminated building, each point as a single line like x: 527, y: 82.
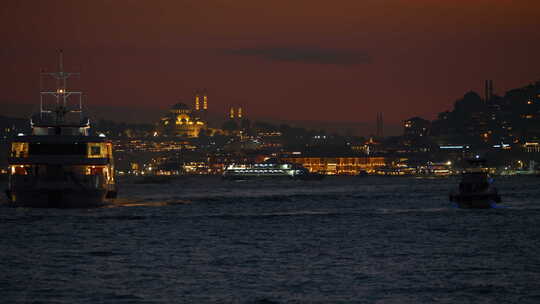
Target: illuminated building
x: 350, y: 165
x: 182, y: 121
x: 416, y: 127
x: 532, y: 147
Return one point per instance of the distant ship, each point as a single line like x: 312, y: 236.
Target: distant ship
x: 59, y: 165
x: 269, y: 169
x: 476, y: 188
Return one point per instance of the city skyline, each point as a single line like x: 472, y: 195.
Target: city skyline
x: 345, y: 62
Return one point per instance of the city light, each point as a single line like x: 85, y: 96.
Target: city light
x: 452, y: 147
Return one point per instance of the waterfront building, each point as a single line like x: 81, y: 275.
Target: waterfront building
x: 343, y: 165
x: 532, y: 146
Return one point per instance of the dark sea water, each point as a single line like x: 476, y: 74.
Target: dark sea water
x: 339, y: 240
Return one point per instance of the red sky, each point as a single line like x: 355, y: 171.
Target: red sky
x: 341, y: 60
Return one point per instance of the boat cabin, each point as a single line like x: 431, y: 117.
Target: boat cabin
x: 474, y: 182
x: 55, y: 156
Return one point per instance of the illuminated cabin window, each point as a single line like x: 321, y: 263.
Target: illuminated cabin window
x: 20, y: 170
x: 109, y: 150
x: 95, y: 170
x: 97, y: 150
x: 19, y: 149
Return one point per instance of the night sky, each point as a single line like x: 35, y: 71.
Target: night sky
x: 341, y: 60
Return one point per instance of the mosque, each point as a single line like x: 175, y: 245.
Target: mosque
x: 182, y: 121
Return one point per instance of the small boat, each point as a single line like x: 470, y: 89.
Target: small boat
x: 60, y: 164
x: 476, y: 188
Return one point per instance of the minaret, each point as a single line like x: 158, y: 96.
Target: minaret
x: 197, y: 102
x: 379, y: 125
x: 488, y: 90
x: 239, y: 112
x: 205, y: 102
x: 231, y: 113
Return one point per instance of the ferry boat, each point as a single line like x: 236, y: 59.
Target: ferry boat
x: 269, y: 170
x: 59, y: 164
x: 476, y: 188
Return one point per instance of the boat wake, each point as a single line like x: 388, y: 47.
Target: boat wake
x: 126, y: 202
x: 413, y: 210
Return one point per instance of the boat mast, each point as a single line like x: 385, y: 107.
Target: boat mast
x: 61, y: 94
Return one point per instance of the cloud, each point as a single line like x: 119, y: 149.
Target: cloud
x: 306, y: 55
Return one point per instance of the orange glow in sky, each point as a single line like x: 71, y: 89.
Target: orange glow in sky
x: 306, y: 60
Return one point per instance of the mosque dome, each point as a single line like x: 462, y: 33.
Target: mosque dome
x: 180, y: 106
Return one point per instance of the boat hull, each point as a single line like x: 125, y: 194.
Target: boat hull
x: 284, y: 176
x: 311, y: 176
x: 58, y: 198
x: 248, y: 177
x: 475, y: 201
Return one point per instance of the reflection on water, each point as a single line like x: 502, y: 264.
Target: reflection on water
x: 126, y: 202
x: 339, y: 240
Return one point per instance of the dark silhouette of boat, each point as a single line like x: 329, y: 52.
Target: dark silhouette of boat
x: 476, y: 188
